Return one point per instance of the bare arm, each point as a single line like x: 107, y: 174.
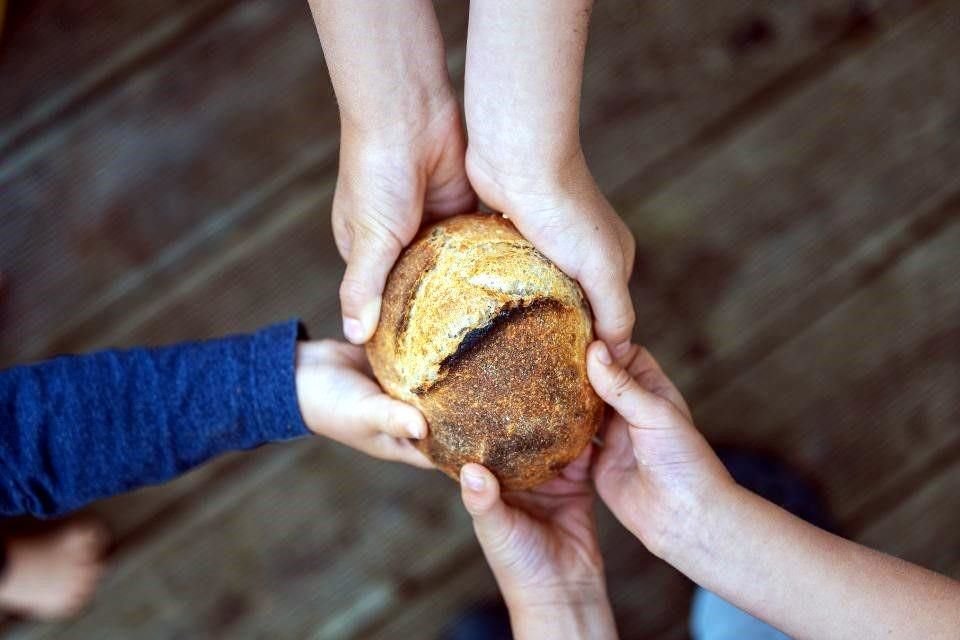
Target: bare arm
x: 385, y: 59
x: 524, y: 71
x: 805, y: 581
x: 664, y: 483
x: 402, y: 143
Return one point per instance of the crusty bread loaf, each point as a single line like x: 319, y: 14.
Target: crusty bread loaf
x: 488, y: 339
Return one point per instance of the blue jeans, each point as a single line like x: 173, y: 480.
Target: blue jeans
x: 713, y: 618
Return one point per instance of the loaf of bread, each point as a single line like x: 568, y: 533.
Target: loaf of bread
x: 488, y: 339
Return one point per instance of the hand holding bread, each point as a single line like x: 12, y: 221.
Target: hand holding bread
x: 487, y: 338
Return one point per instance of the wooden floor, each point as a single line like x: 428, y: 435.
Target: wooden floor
x: 790, y: 171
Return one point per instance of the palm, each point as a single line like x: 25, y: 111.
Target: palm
x: 390, y: 187
x: 659, y: 455
x: 553, y: 536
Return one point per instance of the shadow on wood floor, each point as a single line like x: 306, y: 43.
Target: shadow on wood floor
x: 788, y: 169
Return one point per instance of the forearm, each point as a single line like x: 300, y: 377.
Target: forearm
x: 79, y: 428
x: 386, y: 61
x: 595, y: 623
x: 524, y: 69
x: 584, y: 614
x: 807, y: 582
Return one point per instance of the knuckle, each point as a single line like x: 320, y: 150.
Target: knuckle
x: 622, y: 322
x: 379, y: 233
x: 661, y: 412
x: 353, y: 292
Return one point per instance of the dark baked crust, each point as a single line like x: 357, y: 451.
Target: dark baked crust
x: 514, y: 401
x: 513, y: 394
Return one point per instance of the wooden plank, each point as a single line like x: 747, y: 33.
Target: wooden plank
x: 691, y: 73
x: 788, y: 217
x: 430, y: 614
x: 58, y: 53
x: 329, y: 540
x: 646, y: 594
x: 142, y: 167
x: 922, y: 529
x: 870, y: 393
x: 133, y: 214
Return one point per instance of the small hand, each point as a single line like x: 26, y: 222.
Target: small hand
x: 655, y: 468
x: 389, y: 180
x: 339, y: 399
x: 542, y: 547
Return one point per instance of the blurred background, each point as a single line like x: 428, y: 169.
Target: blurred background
x: 789, y: 170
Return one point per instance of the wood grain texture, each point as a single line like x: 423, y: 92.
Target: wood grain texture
x: 159, y: 170
x: 786, y: 183
x: 755, y: 241
x: 57, y: 54
x: 246, y: 568
x: 663, y: 80
x: 922, y: 528
x: 870, y: 393
x: 144, y: 166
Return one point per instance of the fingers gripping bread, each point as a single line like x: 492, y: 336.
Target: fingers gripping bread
x: 488, y: 339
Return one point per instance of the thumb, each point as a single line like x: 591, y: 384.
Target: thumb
x: 392, y: 417
x: 372, y: 255
x: 612, y: 308
x: 480, y: 492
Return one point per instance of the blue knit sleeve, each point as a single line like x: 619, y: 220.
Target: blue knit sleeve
x: 78, y: 428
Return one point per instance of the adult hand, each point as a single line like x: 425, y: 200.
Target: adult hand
x: 524, y: 155
x: 542, y: 547
x: 387, y: 184
x: 402, y: 141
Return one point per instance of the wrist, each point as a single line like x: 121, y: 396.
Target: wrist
x: 308, y: 355
x: 511, y: 182
x: 571, y: 613
x: 400, y: 117
x: 683, y: 524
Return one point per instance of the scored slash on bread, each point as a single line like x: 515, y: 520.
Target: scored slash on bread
x: 488, y: 339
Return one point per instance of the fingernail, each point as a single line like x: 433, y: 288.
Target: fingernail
x: 621, y: 349
x: 353, y: 330
x: 416, y: 430
x: 472, y: 480
x: 603, y: 354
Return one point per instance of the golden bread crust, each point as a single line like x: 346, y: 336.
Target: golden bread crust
x: 488, y: 339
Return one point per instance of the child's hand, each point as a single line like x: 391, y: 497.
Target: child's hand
x: 542, y: 547
x: 339, y: 399
x: 655, y: 468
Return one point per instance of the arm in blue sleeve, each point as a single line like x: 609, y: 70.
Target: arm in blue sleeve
x: 78, y: 428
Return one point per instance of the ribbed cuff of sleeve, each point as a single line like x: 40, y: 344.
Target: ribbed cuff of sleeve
x: 276, y: 411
